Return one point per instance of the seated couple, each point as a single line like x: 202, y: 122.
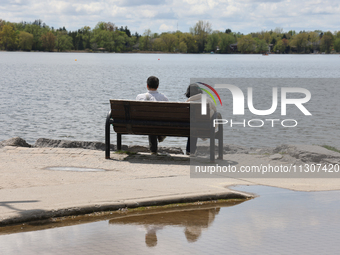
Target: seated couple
x: 193, y: 94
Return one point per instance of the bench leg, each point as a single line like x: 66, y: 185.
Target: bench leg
x: 212, y: 145
x: 119, y: 142
x: 220, y: 141
x: 107, y: 136
x: 153, y: 143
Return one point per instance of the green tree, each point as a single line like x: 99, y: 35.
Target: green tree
x: 107, y: 35
x: 145, y: 42
x: 286, y: 44
x: 275, y: 37
x: 110, y: 27
x: 246, y: 44
x: 300, y: 41
x: 190, y: 41
x: 75, y: 40
x: 107, y: 26
x: 326, y: 41
x: 182, y: 47
x: 201, y: 30
x: 84, y: 35
x: 290, y: 34
x: 261, y: 46
x: 130, y: 41
x: 266, y: 37
x: 37, y: 31
x: 336, y: 34
x: 169, y: 41
x: 278, y: 30
x: 25, y: 40
x: 63, y: 41
x: 48, y: 41
x: 19, y: 26
x: 8, y: 37
x: 103, y: 39
x: 119, y: 38
x: 158, y: 44
x: 337, y: 44
x: 212, y: 42
x: 224, y: 42
x: 280, y: 46
x: 314, y: 39
x: 2, y: 23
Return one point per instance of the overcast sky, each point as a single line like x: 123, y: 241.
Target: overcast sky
x: 160, y: 16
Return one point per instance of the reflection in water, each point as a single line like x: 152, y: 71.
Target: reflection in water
x: 193, y: 222
x: 150, y: 236
x: 279, y: 221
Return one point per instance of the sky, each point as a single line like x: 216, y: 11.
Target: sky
x: 243, y: 16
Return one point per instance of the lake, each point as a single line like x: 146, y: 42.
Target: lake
x: 66, y: 95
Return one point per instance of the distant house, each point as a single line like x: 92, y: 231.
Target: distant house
x: 314, y: 46
x: 293, y: 49
x: 136, y: 46
x: 270, y: 47
x: 233, y: 47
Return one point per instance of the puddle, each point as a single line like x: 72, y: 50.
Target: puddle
x: 279, y: 221
x: 75, y: 169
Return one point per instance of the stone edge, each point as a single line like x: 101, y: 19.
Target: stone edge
x: 81, y: 210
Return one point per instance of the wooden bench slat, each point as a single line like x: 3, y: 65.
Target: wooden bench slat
x: 162, y: 117
x: 152, y: 103
x: 153, y: 131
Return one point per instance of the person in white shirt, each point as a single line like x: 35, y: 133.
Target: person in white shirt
x: 152, y: 84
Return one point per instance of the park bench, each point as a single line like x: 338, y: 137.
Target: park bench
x: 161, y: 118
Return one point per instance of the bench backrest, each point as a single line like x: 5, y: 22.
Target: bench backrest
x: 156, y: 118
x: 150, y: 110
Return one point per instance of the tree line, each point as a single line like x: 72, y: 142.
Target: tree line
x: 37, y: 36
x: 106, y: 36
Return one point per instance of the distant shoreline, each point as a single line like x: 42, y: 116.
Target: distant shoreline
x: 165, y: 53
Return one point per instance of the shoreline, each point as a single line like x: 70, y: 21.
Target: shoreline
x: 31, y: 189
x: 179, y: 53
x: 299, y: 153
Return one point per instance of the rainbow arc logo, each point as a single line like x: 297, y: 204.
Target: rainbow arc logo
x: 204, y: 99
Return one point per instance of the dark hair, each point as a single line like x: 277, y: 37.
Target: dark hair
x: 152, y: 82
x: 192, y: 90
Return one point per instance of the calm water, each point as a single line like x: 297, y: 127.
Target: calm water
x: 277, y: 222
x: 66, y: 95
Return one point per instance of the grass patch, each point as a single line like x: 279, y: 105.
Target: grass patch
x: 116, y: 214
x: 111, y: 214
x: 331, y: 148
x: 179, y: 205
